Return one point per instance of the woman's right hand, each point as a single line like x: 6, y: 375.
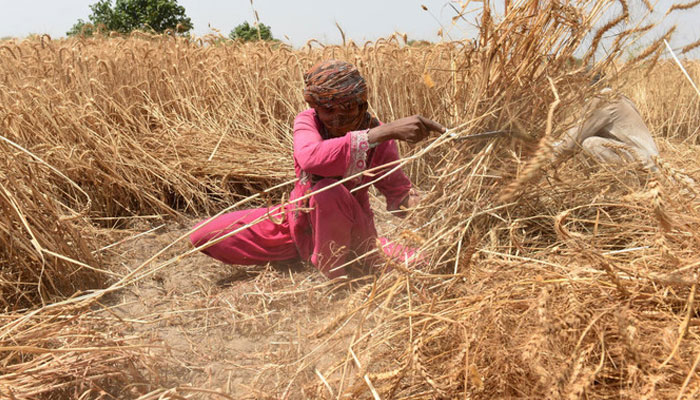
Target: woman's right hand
x: 409, y: 129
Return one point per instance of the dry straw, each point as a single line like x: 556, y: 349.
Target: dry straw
x: 575, y: 282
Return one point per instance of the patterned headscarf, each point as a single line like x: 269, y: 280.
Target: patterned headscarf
x: 332, y: 83
x: 337, y: 83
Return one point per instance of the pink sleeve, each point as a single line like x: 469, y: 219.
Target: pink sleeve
x: 342, y: 156
x: 396, y: 185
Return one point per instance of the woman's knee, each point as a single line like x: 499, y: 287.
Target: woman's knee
x: 201, y: 235
x: 337, y: 194
x: 205, y: 231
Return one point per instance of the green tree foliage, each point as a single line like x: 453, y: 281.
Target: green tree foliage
x: 129, y: 15
x: 247, y: 33
x: 418, y: 43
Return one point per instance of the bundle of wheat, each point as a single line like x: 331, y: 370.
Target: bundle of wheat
x: 71, y: 352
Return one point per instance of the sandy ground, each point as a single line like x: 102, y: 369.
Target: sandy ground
x: 243, y: 331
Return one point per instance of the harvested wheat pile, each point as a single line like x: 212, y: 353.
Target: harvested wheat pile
x: 66, y: 351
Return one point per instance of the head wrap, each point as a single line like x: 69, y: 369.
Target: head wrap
x: 333, y: 83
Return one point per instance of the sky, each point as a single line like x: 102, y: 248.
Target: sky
x: 297, y: 21
x: 293, y: 21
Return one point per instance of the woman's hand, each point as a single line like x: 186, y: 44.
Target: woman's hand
x: 411, y: 201
x: 410, y: 129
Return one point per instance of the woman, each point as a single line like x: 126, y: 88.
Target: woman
x: 335, y: 139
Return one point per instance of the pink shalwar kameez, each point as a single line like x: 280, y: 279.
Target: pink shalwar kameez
x: 326, y: 227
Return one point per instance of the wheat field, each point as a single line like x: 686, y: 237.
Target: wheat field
x: 574, y: 282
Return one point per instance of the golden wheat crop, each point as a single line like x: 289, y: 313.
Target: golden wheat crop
x: 578, y: 282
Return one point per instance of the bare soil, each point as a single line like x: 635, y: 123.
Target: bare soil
x: 240, y: 331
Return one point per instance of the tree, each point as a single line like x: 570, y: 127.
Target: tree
x: 130, y: 15
x: 418, y: 43
x: 248, y: 33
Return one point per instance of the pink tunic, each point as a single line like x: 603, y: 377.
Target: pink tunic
x: 330, y: 225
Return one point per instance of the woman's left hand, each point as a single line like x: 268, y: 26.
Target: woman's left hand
x: 409, y: 202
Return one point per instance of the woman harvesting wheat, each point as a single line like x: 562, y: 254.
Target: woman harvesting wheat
x: 336, y: 138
